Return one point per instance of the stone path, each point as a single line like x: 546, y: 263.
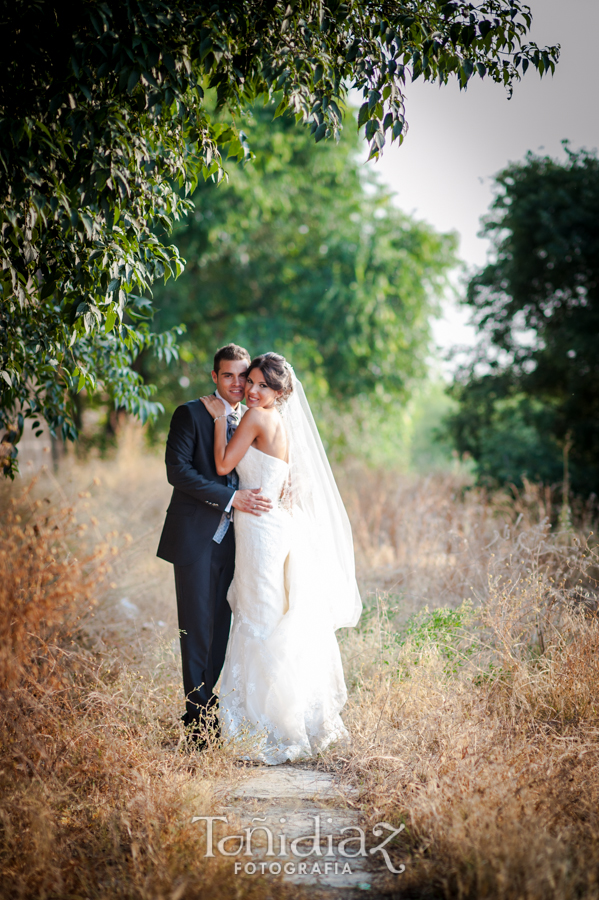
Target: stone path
x: 293, y: 821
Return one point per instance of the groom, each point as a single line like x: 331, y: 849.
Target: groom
x: 198, y: 535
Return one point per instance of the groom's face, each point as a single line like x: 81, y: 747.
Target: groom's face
x: 230, y: 379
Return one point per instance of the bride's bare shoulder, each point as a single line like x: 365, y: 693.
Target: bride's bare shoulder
x: 256, y: 417
x: 255, y: 412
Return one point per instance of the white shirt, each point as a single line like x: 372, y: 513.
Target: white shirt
x: 238, y: 411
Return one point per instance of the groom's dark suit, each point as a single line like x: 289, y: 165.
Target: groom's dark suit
x: 203, y: 568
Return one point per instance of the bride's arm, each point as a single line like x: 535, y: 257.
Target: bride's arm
x: 226, y: 456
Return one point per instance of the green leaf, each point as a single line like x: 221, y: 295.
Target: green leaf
x: 110, y: 320
x: 87, y: 223
x: 373, y: 99
x: 363, y: 115
x: 281, y: 108
x: 169, y: 62
x: 352, y: 51
x: 48, y: 289
x: 371, y: 127
x: 235, y: 149
x: 205, y: 46
x: 132, y: 81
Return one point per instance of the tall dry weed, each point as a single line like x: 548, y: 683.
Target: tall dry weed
x: 45, y: 588
x: 97, y: 789
x: 475, y: 692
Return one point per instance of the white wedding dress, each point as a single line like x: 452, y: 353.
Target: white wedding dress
x: 282, y: 684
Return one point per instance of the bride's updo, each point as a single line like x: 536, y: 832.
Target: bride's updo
x: 276, y: 372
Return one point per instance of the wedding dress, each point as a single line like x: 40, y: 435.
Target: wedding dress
x: 282, y: 683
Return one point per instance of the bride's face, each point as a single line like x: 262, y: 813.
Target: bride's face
x: 257, y: 392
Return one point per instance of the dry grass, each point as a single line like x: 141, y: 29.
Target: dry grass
x: 475, y: 723
x: 97, y: 790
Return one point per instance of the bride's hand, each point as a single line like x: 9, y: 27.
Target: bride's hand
x: 214, y: 406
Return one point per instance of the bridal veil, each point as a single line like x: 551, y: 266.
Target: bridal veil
x: 323, y: 555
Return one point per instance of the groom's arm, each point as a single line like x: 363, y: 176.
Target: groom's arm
x: 180, y: 470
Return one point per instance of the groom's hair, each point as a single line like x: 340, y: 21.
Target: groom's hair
x: 230, y: 351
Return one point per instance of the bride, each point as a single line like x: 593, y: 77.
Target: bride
x: 294, y: 583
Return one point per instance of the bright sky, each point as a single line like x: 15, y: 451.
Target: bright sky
x: 459, y: 139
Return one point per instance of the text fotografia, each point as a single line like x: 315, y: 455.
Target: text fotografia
x: 291, y: 868
x: 351, y: 846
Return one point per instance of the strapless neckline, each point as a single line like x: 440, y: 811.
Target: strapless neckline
x: 262, y: 453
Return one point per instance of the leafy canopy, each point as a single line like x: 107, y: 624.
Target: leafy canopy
x: 104, y: 132
x: 304, y: 254
x: 537, y: 309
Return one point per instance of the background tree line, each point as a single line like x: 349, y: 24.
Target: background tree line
x: 305, y: 252
x: 529, y: 399
x: 114, y: 115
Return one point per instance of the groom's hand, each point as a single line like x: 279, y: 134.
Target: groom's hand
x: 251, y: 501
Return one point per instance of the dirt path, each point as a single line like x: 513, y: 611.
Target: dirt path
x: 294, y: 820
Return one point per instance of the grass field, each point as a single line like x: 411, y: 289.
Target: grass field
x: 473, y: 678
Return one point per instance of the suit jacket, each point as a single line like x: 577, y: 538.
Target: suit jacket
x: 200, y: 496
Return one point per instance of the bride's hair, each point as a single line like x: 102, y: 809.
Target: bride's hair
x: 276, y: 372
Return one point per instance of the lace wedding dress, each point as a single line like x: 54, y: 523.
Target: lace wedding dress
x: 282, y: 681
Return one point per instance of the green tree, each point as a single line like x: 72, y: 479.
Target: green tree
x: 537, y: 310
x: 302, y: 253
x: 103, y: 118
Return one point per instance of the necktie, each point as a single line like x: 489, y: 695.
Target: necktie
x: 232, y: 481
x: 232, y: 423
